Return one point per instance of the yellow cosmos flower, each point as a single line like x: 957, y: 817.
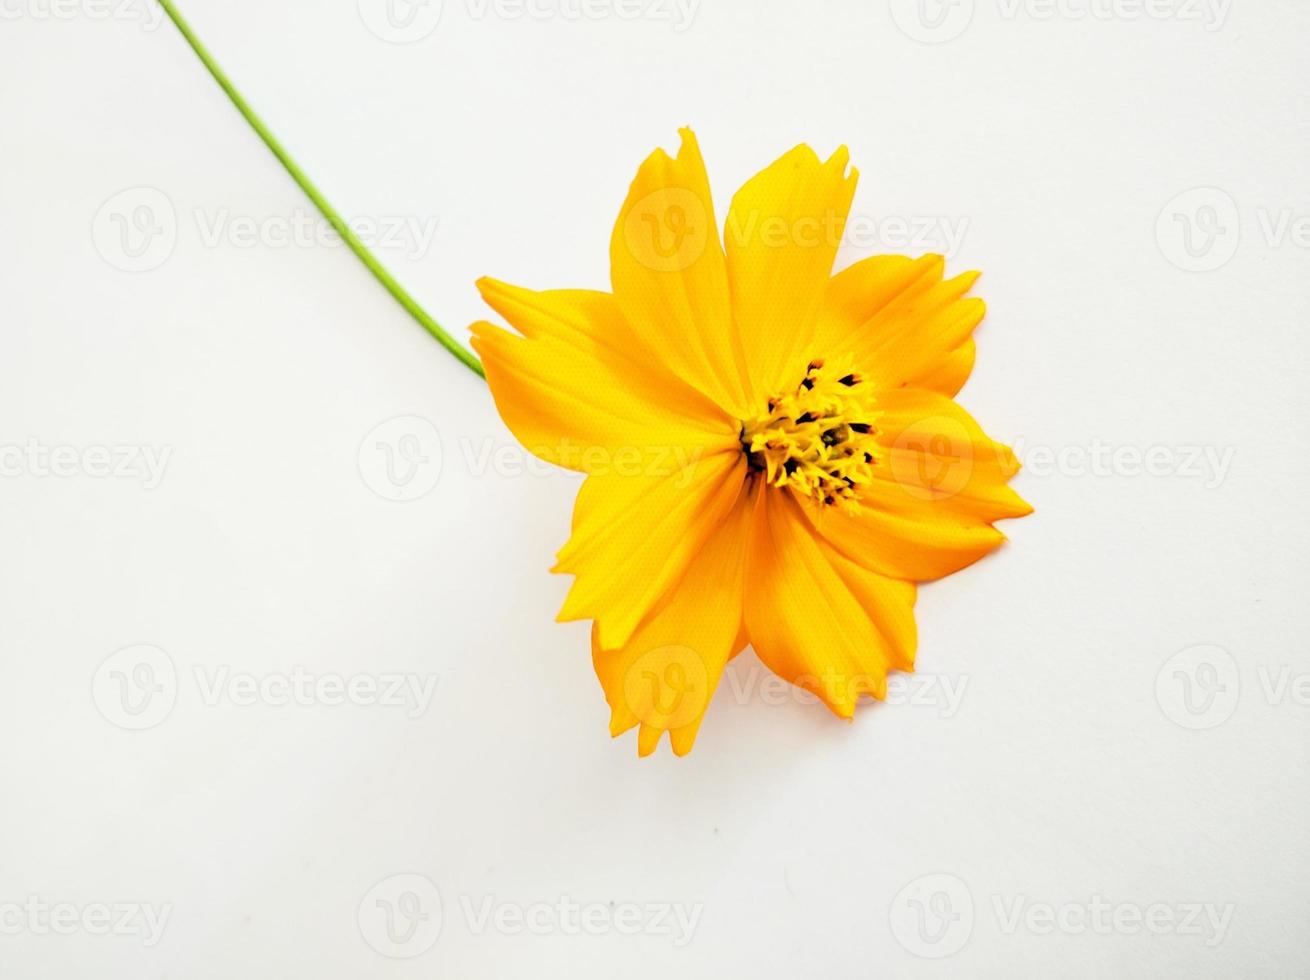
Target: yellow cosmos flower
x: 773, y: 453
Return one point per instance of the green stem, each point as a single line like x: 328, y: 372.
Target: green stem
x: 316, y: 196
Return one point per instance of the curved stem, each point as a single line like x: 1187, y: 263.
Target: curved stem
x: 316, y: 196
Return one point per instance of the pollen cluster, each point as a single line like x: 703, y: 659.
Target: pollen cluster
x: 820, y: 440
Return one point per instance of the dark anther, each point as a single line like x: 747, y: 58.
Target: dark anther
x: 850, y: 381
x: 861, y: 427
x: 829, y: 500
x: 832, y: 437
x: 807, y: 417
x: 790, y: 466
x: 773, y: 405
x: 808, y: 384
x: 868, y: 457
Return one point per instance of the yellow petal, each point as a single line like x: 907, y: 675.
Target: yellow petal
x: 634, y: 536
x: 939, y: 485
x: 662, y: 679
x: 668, y: 275
x: 782, y: 234
x: 937, y: 454
x: 917, y: 546
x: 902, y: 323
x: 571, y: 394
x: 818, y: 619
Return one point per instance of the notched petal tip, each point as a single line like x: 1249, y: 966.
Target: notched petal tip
x: 682, y: 740
x: 844, y: 704
x: 648, y: 739
x: 845, y: 710
x: 491, y: 289
x: 568, y: 614
x: 971, y: 309
x: 688, y: 149
x: 800, y: 155
x: 933, y: 263
x: 1021, y: 508
x: 840, y: 161
x: 965, y: 280
x: 803, y: 156
x: 484, y: 335
x: 621, y: 722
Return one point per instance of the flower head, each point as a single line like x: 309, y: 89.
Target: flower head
x: 773, y: 453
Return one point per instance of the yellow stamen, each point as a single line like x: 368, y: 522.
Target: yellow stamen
x: 819, y: 440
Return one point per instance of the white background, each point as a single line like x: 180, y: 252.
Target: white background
x: 1078, y: 762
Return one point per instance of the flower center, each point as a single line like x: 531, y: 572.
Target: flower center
x: 819, y: 440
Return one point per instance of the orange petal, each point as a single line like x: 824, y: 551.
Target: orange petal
x: 574, y: 397
x: 634, y: 536
x: 818, y: 619
x: 664, y: 676
x: 782, y: 234
x: 940, y: 484
x: 903, y: 324
x: 937, y: 454
x: 668, y: 274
